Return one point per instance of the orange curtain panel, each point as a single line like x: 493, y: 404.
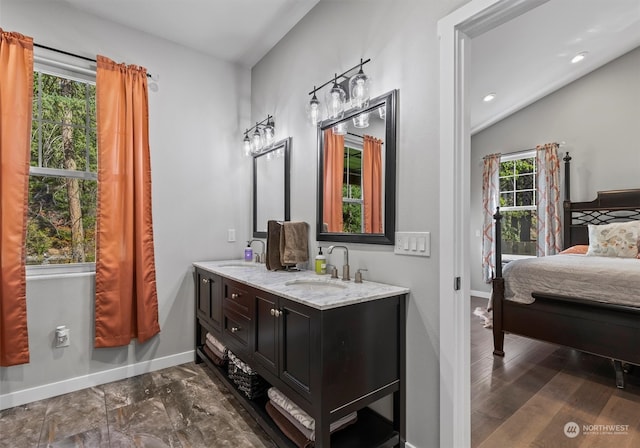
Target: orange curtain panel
x: 126, y: 297
x: 372, y: 184
x: 16, y: 94
x: 333, y: 174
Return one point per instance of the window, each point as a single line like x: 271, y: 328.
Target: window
x: 518, y: 204
x: 352, y: 201
x: 63, y: 172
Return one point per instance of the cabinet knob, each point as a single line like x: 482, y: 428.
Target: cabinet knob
x: 272, y: 311
x: 235, y: 329
x: 205, y: 280
x: 235, y: 295
x: 277, y: 313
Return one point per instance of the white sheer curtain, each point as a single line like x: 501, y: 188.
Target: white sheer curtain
x: 548, y: 200
x: 490, y: 200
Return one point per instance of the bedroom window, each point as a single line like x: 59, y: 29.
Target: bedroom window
x: 352, y: 201
x: 518, y: 204
x: 63, y: 172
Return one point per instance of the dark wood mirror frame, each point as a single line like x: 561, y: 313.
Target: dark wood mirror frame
x: 389, y: 100
x: 284, y: 144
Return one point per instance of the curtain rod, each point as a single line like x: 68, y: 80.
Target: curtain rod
x: 522, y: 151
x: 68, y: 53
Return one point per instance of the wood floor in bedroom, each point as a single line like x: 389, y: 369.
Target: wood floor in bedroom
x: 540, y: 394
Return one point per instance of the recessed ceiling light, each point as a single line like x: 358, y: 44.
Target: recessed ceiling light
x: 489, y: 97
x: 579, y: 57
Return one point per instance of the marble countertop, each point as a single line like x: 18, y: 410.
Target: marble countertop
x: 318, y: 291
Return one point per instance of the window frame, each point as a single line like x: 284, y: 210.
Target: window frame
x: 512, y: 157
x: 86, y: 76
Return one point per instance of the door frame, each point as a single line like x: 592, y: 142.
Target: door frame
x: 455, y: 32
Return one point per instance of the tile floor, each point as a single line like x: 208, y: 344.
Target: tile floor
x: 182, y: 407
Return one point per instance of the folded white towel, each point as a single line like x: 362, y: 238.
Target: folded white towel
x: 216, y: 343
x: 278, y: 399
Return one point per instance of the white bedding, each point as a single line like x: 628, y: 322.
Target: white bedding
x: 602, y: 279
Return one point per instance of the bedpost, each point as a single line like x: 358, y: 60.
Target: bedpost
x: 498, y: 239
x: 497, y: 294
x: 567, y: 201
x: 567, y: 176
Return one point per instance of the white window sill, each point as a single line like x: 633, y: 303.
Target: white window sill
x: 46, y: 271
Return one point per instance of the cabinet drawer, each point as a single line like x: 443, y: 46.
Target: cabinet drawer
x: 238, y: 299
x: 236, y: 329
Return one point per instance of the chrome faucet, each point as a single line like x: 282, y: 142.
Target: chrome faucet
x: 261, y: 257
x: 345, y: 267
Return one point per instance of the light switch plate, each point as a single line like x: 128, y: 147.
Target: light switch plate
x: 417, y: 244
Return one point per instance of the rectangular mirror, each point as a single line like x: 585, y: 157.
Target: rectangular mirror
x: 357, y: 174
x: 271, y: 186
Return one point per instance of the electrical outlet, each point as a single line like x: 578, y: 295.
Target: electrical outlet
x: 62, y: 336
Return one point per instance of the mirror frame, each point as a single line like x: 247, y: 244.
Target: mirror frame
x: 286, y: 144
x: 389, y: 100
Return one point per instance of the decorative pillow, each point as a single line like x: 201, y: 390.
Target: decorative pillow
x: 618, y: 239
x: 580, y: 249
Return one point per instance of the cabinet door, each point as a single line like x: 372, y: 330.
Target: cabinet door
x: 209, y: 297
x: 266, y: 343
x: 299, y: 345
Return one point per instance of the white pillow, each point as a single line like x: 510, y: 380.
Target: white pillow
x: 618, y: 239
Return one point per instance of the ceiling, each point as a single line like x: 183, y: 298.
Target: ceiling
x: 240, y: 31
x: 521, y: 60
x: 530, y: 56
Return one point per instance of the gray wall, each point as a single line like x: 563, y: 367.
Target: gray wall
x: 598, y: 118
x: 401, y: 39
x: 195, y: 121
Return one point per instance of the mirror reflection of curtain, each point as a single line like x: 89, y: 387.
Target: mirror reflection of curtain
x: 16, y: 84
x: 490, y: 200
x: 372, y: 184
x: 333, y: 178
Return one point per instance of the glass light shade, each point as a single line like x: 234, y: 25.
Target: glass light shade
x: 246, y: 145
x: 335, y: 100
x: 269, y: 134
x: 359, y: 89
x: 313, y: 111
x: 256, y: 141
x: 340, y: 128
x: 361, y: 121
x: 382, y: 111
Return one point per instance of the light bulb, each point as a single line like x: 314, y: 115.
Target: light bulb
x: 313, y: 110
x: 336, y: 98
x: 269, y: 133
x: 359, y: 88
x: 256, y: 141
x: 246, y: 145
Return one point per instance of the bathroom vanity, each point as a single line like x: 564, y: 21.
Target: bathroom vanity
x: 332, y: 347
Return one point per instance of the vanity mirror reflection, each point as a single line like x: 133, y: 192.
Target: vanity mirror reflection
x: 271, y: 191
x: 357, y: 174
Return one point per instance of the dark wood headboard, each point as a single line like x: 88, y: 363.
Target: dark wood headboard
x: 609, y: 206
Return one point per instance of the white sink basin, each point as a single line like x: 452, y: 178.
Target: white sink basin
x: 314, y: 285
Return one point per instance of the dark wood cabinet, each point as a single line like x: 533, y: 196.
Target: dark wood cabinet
x: 209, y: 300
x: 331, y: 362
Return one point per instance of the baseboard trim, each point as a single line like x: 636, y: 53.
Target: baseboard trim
x: 25, y: 396
x: 481, y: 294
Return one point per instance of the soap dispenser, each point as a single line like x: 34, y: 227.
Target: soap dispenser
x: 321, y: 263
x: 248, y: 252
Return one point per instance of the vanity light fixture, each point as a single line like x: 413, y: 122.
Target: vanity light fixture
x: 262, y: 137
x: 489, y: 97
x: 337, y: 99
x: 579, y: 57
x: 361, y: 121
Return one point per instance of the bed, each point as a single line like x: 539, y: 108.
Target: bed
x: 556, y: 313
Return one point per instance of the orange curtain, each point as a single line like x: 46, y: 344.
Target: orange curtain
x: 16, y: 94
x: 333, y: 178
x: 372, y: 184
x: 126, y: 297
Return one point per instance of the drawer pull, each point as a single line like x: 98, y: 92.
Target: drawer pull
x: 272, y: 311
x: 205, y: 280
x: 235, y: 329
x: 277, y: 313
x: 235, y: 295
